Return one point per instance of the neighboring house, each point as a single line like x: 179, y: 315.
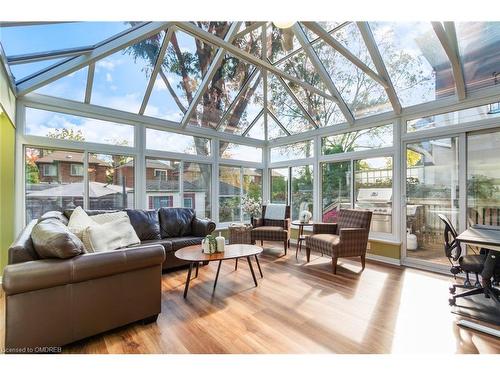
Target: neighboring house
x: 65, y: 167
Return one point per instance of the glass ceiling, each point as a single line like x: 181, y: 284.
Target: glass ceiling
x: 240, y: 96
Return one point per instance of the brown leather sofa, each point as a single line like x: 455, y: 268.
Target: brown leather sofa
x: 53, y: 302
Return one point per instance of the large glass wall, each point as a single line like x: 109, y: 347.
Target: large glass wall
x: 162, y: 183
x: 279, y: 185
x: 431, y: 189
x: 483, y: 178
x: 197, y: 188
x: 301, y: 190
x: 335, y: 189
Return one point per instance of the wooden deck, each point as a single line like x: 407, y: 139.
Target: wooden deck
x: 299, y: 308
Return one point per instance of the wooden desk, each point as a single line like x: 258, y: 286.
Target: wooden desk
x: 483, y: 236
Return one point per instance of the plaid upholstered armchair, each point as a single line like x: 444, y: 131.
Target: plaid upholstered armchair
x: 265, y: 229
x: 345, y: 239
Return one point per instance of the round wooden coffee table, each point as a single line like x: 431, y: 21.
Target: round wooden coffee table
x: 194, y: 255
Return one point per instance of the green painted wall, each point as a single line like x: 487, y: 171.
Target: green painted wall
x: 7, y: 144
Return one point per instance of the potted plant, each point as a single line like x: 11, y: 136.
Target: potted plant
x: 251, y: 206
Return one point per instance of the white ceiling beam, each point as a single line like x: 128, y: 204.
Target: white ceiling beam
x: 104, y: 50
x: 249, y: 29
x: 323, y: 74
x: 72, y: 107
x: 330, y: 40
x: 296, y: 101
x: 237, y: 97
x: 90, y: 83
x: 247, y: 130
x: 448, y: 38
x: 214, y: 65
x: 235, y: 51
x: 172, y: 91
x: 270, y: 113
x: 157, y: 68
x: 374, y: 52
x: 49, y: 55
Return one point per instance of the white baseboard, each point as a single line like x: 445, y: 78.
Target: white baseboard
x: 377, y: 258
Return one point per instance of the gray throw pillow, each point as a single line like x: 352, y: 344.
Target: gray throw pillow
x: 52, y: 239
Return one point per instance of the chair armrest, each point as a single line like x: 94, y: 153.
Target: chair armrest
x: 286, y: 224
x: 202, y: 227
x: 353, y: 241
x: 257, y: 222
x: 47, y: 273
x: 326, y: 228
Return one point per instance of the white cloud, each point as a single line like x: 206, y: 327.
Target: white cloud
x: 160, y: 85
x: 109, y: 77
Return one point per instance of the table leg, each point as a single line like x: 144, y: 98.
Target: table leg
x: 258, y: 265
x: 197, y: 266
x: 299, y: 241
x: 217, y: 275
x: 188, y: 279
x: 251, y: 270
x: 236, y: 265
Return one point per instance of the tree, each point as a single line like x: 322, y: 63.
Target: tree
x: 67, y: 133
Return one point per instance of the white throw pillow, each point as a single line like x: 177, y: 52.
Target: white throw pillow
x: 109, y: 216
x: 79, y: 221
x: 110, y: 236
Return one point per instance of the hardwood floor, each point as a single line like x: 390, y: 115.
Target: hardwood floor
x: 299, y: 308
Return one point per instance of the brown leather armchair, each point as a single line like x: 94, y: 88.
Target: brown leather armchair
x: 345, y: 239
x: 53, y: 302
x: 272, y: 230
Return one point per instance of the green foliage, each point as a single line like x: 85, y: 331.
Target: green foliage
x: 67, y: 133
x: 482, y: 187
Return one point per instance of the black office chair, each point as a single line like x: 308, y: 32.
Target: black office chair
x: 467, y: 263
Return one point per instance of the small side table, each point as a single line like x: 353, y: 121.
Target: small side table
x: 301, y: 236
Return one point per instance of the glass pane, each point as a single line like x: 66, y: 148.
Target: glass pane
x: 483, y: 180
x: 454, y: 118
x: 431, y: 189
x: 120, y: 80
x: 236, y: 151
x: 273, y: 129
x: 162, y: 183
x: 373, y: 191
x: 197, y: 185
x: 302, y: 190
x: 218, y: 28
x: 246, y: 108
x: 363, y: 95
x: 284, y: 108
x: 21, y: 71
x: 252, y: 186
x: 301, y: 67
x: 221, y: 92
x: 258, y: 130
x: 62, y: 126
x: 164, y: 102
x: 111, y: 182
x: 174, y: 142
x: 417, y: 64
x: 70, y: 87
x: 299, y: 150
x: 49, y: 184
x: 229, y: 194
x: 280, y: 42
x: 367, y: 139
x: 478, y: 43
x: 335, y: 189
x: 41, y: 38
x: 186, y: 62
x: 279, y: 185
x: 250, y: 42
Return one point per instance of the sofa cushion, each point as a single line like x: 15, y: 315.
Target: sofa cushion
x: 175, y: 222
x: 53, y: 239
x: 180, y: 242
x: 110, y: 236
x: 54, y: 215
x: 79, y: 221
x: 166, y: 243
x: 145, y: 223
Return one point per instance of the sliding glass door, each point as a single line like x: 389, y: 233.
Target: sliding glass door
x: 432, y: 188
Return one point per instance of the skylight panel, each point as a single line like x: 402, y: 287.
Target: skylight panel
x: 21, y: 71
x: 19, y: 40
x: 120, y: 80
x: 479, y: 45
x: 417, y: 64
x: 71, y: 86
x: 258, y: 130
